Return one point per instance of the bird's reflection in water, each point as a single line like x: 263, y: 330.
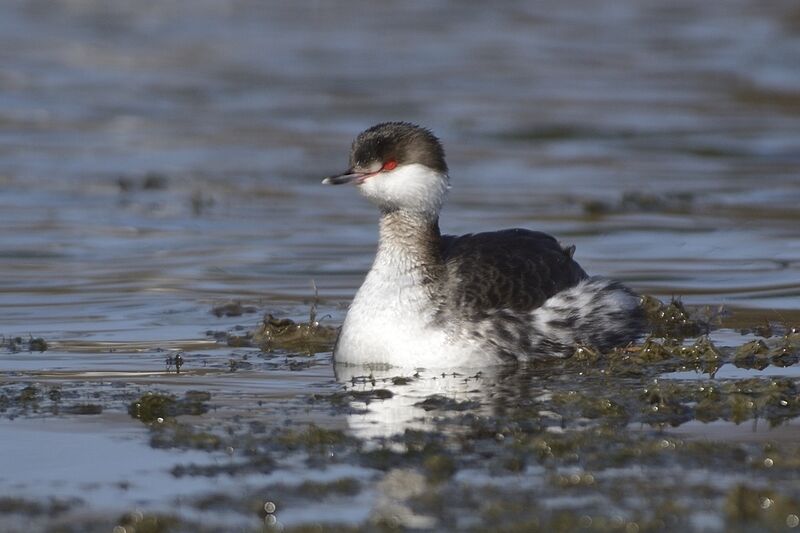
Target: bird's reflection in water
x: 389, y: 401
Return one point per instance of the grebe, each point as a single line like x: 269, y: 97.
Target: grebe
x: 434, y: 301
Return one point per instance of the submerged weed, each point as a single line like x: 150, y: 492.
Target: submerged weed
x: 760, y: 509
x: 639, y: 202
x: 84, y: 409
x: 443, y: 403
x: 10, y: 505
x: 231, y: 309
x: 17, y: 344
x: 148, y: 523
x: 320, y: 490
x: 29, y: 394
x: 312, y: 438
x: 171, y: 434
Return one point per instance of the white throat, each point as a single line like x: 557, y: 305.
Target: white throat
x: 414, y: 188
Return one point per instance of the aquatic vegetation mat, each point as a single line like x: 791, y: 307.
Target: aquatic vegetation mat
x: 677, y: 432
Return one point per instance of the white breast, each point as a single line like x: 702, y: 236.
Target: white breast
x: 391, y: 322
x: 388, y: 322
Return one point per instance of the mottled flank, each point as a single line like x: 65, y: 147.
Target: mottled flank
x: 595, y: 313
x: 520, y: 295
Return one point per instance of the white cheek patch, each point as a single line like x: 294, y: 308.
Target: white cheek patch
x: 414, y: 187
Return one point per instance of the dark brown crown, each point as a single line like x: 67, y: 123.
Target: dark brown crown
x: 403, y: 142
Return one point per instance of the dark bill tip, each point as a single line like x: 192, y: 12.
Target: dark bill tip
x: 341, y: 179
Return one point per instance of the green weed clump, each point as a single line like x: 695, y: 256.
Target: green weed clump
x: 284, y: 334
x: 671, y: 320
x: 152, y: 407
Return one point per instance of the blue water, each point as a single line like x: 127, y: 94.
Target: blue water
x: 681, y: 120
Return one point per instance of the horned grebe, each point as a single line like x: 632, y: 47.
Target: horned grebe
x: 433, y: 300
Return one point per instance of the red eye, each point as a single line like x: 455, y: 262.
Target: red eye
x: 389, y: 165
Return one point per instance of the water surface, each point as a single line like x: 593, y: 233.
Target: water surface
x: 160, y: 158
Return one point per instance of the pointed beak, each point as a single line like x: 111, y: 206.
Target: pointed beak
x: 348, y: 176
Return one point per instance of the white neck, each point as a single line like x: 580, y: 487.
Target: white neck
x: 413, y: 188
